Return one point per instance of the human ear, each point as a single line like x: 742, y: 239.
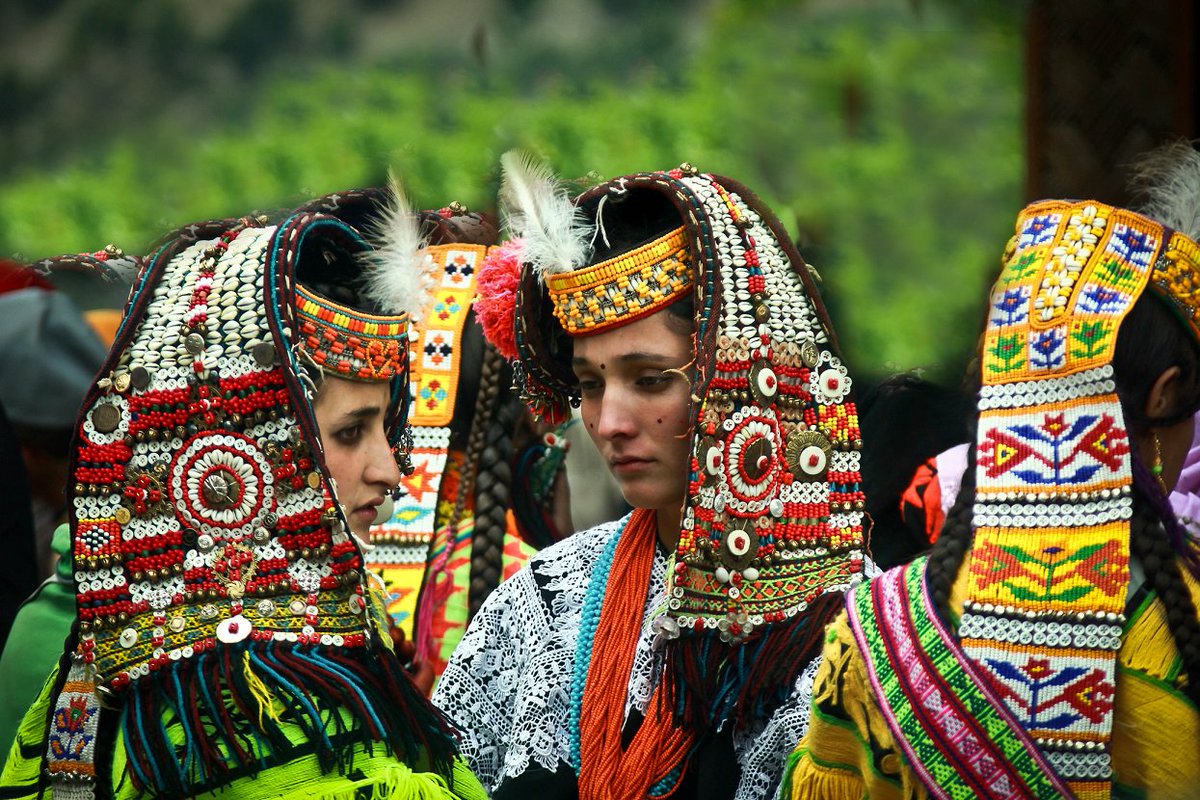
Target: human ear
x: 1162, y: 400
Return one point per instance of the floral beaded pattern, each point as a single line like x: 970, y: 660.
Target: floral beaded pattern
x: 1050, y: 564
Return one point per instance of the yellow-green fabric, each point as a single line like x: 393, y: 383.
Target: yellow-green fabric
x: 849, y: 751
x: 36, y: 641
x: 375, y: 773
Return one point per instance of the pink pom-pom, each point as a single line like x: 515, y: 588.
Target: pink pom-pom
x: 496, y: 304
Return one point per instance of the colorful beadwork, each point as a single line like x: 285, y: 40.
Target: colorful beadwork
x: 197, y: 499
x: 350, y: 343
x: 622, y: 289
x: 203, y: 521
x: 773, y: 515
x: 402, y: 543
x: 435, y: 359
x: 954, y: 732
x: 1049, y: 568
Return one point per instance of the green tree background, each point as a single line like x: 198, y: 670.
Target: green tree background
x: 886, y: 134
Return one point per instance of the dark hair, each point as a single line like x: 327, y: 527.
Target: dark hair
x: 1151, y: 340
x: 907, y: 420
x: 681, y: 313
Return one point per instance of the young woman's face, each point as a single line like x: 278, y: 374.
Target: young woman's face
x: 635, y: 411
x: 350, y: 415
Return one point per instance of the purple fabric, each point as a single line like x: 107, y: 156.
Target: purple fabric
x: 950, y: 468
x: 1185, y: 498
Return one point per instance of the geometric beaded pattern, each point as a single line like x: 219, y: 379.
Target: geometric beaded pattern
x: 352, y: 344
x: 200, y: 513
x: 773, y: 515
x: 618, y: 291
x: 435, y: 359
x: 401, y: 544
x: 1049, y: 569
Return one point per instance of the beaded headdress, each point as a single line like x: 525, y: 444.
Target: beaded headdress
x: 433, y: 547
x: 220, y: 598
x: 772, y: 522
x: 621, y: 289
x: 1049, y: 568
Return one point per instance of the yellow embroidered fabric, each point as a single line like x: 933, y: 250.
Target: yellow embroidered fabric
x: 435, y: 357
x: 617, y: 291
x: 850, y: 753
x: 377, y: 774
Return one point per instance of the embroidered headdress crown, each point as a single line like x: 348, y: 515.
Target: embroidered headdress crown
x: 1049, y: 568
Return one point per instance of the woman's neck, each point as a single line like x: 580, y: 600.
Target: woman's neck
x: 667, y: 520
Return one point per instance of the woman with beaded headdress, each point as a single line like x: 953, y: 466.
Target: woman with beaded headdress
x: 1048, y: 646
x: 672, y: 306
x: 480, y: 498
x: 242, y: 437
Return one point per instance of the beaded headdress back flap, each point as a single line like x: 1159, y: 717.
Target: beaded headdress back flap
x: 206, y: 533
x: 773, y: 515
x: 1049, y: 566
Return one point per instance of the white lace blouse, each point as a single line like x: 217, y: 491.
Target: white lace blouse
x: 508, y: 684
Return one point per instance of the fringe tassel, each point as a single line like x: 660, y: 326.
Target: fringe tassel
x: 437, y: 585
x: 241, y: 709
x: 710, y: 683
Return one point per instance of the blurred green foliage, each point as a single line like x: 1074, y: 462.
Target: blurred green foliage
x: 886, y: 136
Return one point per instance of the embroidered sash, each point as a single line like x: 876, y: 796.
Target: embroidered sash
x: 959, y: 737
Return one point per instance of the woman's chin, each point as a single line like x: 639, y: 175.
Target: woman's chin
x: 639, y: 495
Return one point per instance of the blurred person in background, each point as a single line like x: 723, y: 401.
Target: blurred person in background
x: 48, y: 357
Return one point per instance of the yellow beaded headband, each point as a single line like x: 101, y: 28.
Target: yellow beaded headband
x: 622, y: 289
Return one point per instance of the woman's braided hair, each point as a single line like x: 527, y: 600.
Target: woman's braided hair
x: 1151, y: 512
x: 491, y: 453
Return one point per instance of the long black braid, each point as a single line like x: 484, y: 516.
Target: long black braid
x: 493, y: 485
x: 1152, y: 513
x: 958, y: 532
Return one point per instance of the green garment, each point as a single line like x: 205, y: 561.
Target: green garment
x: 36, y: 642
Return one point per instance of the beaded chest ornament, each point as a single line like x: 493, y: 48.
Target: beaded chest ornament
x: 772, y: 521
x: 1049, y: 568
x: 219, y: 594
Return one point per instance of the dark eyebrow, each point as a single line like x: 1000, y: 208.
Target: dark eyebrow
x: 363, y: 412
x: 638, y: 356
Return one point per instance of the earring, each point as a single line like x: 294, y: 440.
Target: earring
x: 1156, y: 468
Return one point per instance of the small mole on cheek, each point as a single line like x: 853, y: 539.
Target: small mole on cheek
x: 660, y: 420
x: 602, y: 366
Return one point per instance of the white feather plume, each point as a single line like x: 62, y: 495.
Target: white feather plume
x: 398, y: 272
x: 538, y: 209
x: 1169, y: 179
